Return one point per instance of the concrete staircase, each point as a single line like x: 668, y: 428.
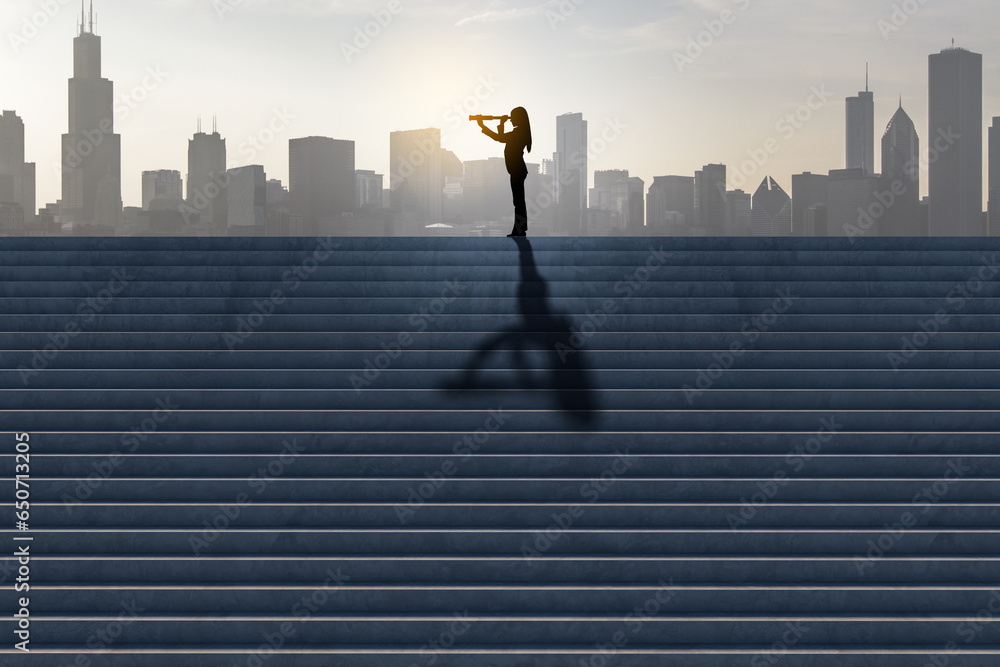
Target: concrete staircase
x: 410, y: 452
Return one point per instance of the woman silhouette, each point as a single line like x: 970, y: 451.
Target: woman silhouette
x: 517, y: 140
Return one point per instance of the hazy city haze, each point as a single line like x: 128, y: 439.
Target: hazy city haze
x: 173, y: 60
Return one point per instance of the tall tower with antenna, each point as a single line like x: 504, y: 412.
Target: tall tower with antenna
x: 91, y: 151
x: 861, y: 130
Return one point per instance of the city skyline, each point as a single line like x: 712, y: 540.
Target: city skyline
x: 156, y: 128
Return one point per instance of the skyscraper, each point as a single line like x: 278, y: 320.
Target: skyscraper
x: 11, y: 220
x: 851, y: 210
x: 416, y: 179
x: 164, y: 186
x: 808, y: 190
x: 636, y: 204
x: 814, y: 221
x: 861, y: 130
x: 572, y: 177
x: 710, y: 201
x: 278, y: 213
x: 611, y: 193
x: 739, y: 213
x: 955, y: 143
x: 17, y: 178
x: 11, y: 158
x: 207, y: 181
x: 246, y: 201
x: 772, y: 210
x: 671, y: 198
x: 322, y: 183
x: 486, y: 191
x: 369, y: 194
x: 91, y: 151
x: 994, y: 176
x: 901, y: 177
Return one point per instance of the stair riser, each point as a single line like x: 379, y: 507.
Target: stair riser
x: 539, y: 420
x: 521, y: 542
x: 421, y: 293
x: 808, y: 461
x: 506, y: 307
x: 543, y: 517
x: 512, y: 443
x: 649, y: 633
x: 516, y: 398
x: 212, y: 569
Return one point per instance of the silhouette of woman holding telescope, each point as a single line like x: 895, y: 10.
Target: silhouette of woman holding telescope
x: 516, y: 141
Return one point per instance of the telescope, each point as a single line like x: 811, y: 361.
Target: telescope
x: 486, y: 118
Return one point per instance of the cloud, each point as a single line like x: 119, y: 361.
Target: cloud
x: 505, y: 14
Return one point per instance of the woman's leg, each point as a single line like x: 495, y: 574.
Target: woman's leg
x: 520, y: 206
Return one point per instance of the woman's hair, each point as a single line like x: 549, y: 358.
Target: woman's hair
x: 520, y: 118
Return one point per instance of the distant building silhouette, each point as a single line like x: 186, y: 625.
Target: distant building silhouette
x: 901, y: 177
x: 246, y: 201
x: 369, y: 192
x: 451, y: 165
x: 739, y: 213
x: 611, y: 193
x: 47, y: 221
x: 861, y: 130
x: 994, y: 176
x: 453, y: 201
x: 670, y: 205
x: 17, y: 178
x: 452, y: 188
x: 322, y: 183
x: 91, y: 151
x: 571, y: 178
x: 12, y: 221
x: 206, y: 182
x: 416, y: 179
x: 955, y: 142
x: 277, y: 193
x: 808, y: 191
x: 850, y: 209
x: 710, y: 201
x: 636, y: 204
x: 486, y: 191
x: 164, y: 185
x: 815, y: 221
x: 772, y: 210
x: 278, y: 211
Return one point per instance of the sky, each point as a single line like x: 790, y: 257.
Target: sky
x: 667, y: 86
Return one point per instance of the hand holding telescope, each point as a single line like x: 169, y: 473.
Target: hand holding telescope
x: 482, y: 119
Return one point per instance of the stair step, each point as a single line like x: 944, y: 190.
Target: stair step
x: 508, y: 306
x: 927, y: 512
x: 376, y: 568
x: 574, y: 417
x: 562, y: 443
x: 499, y: 541
x: 818, y: 365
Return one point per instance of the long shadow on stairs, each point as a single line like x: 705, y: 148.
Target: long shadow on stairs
x: 565, y: 374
